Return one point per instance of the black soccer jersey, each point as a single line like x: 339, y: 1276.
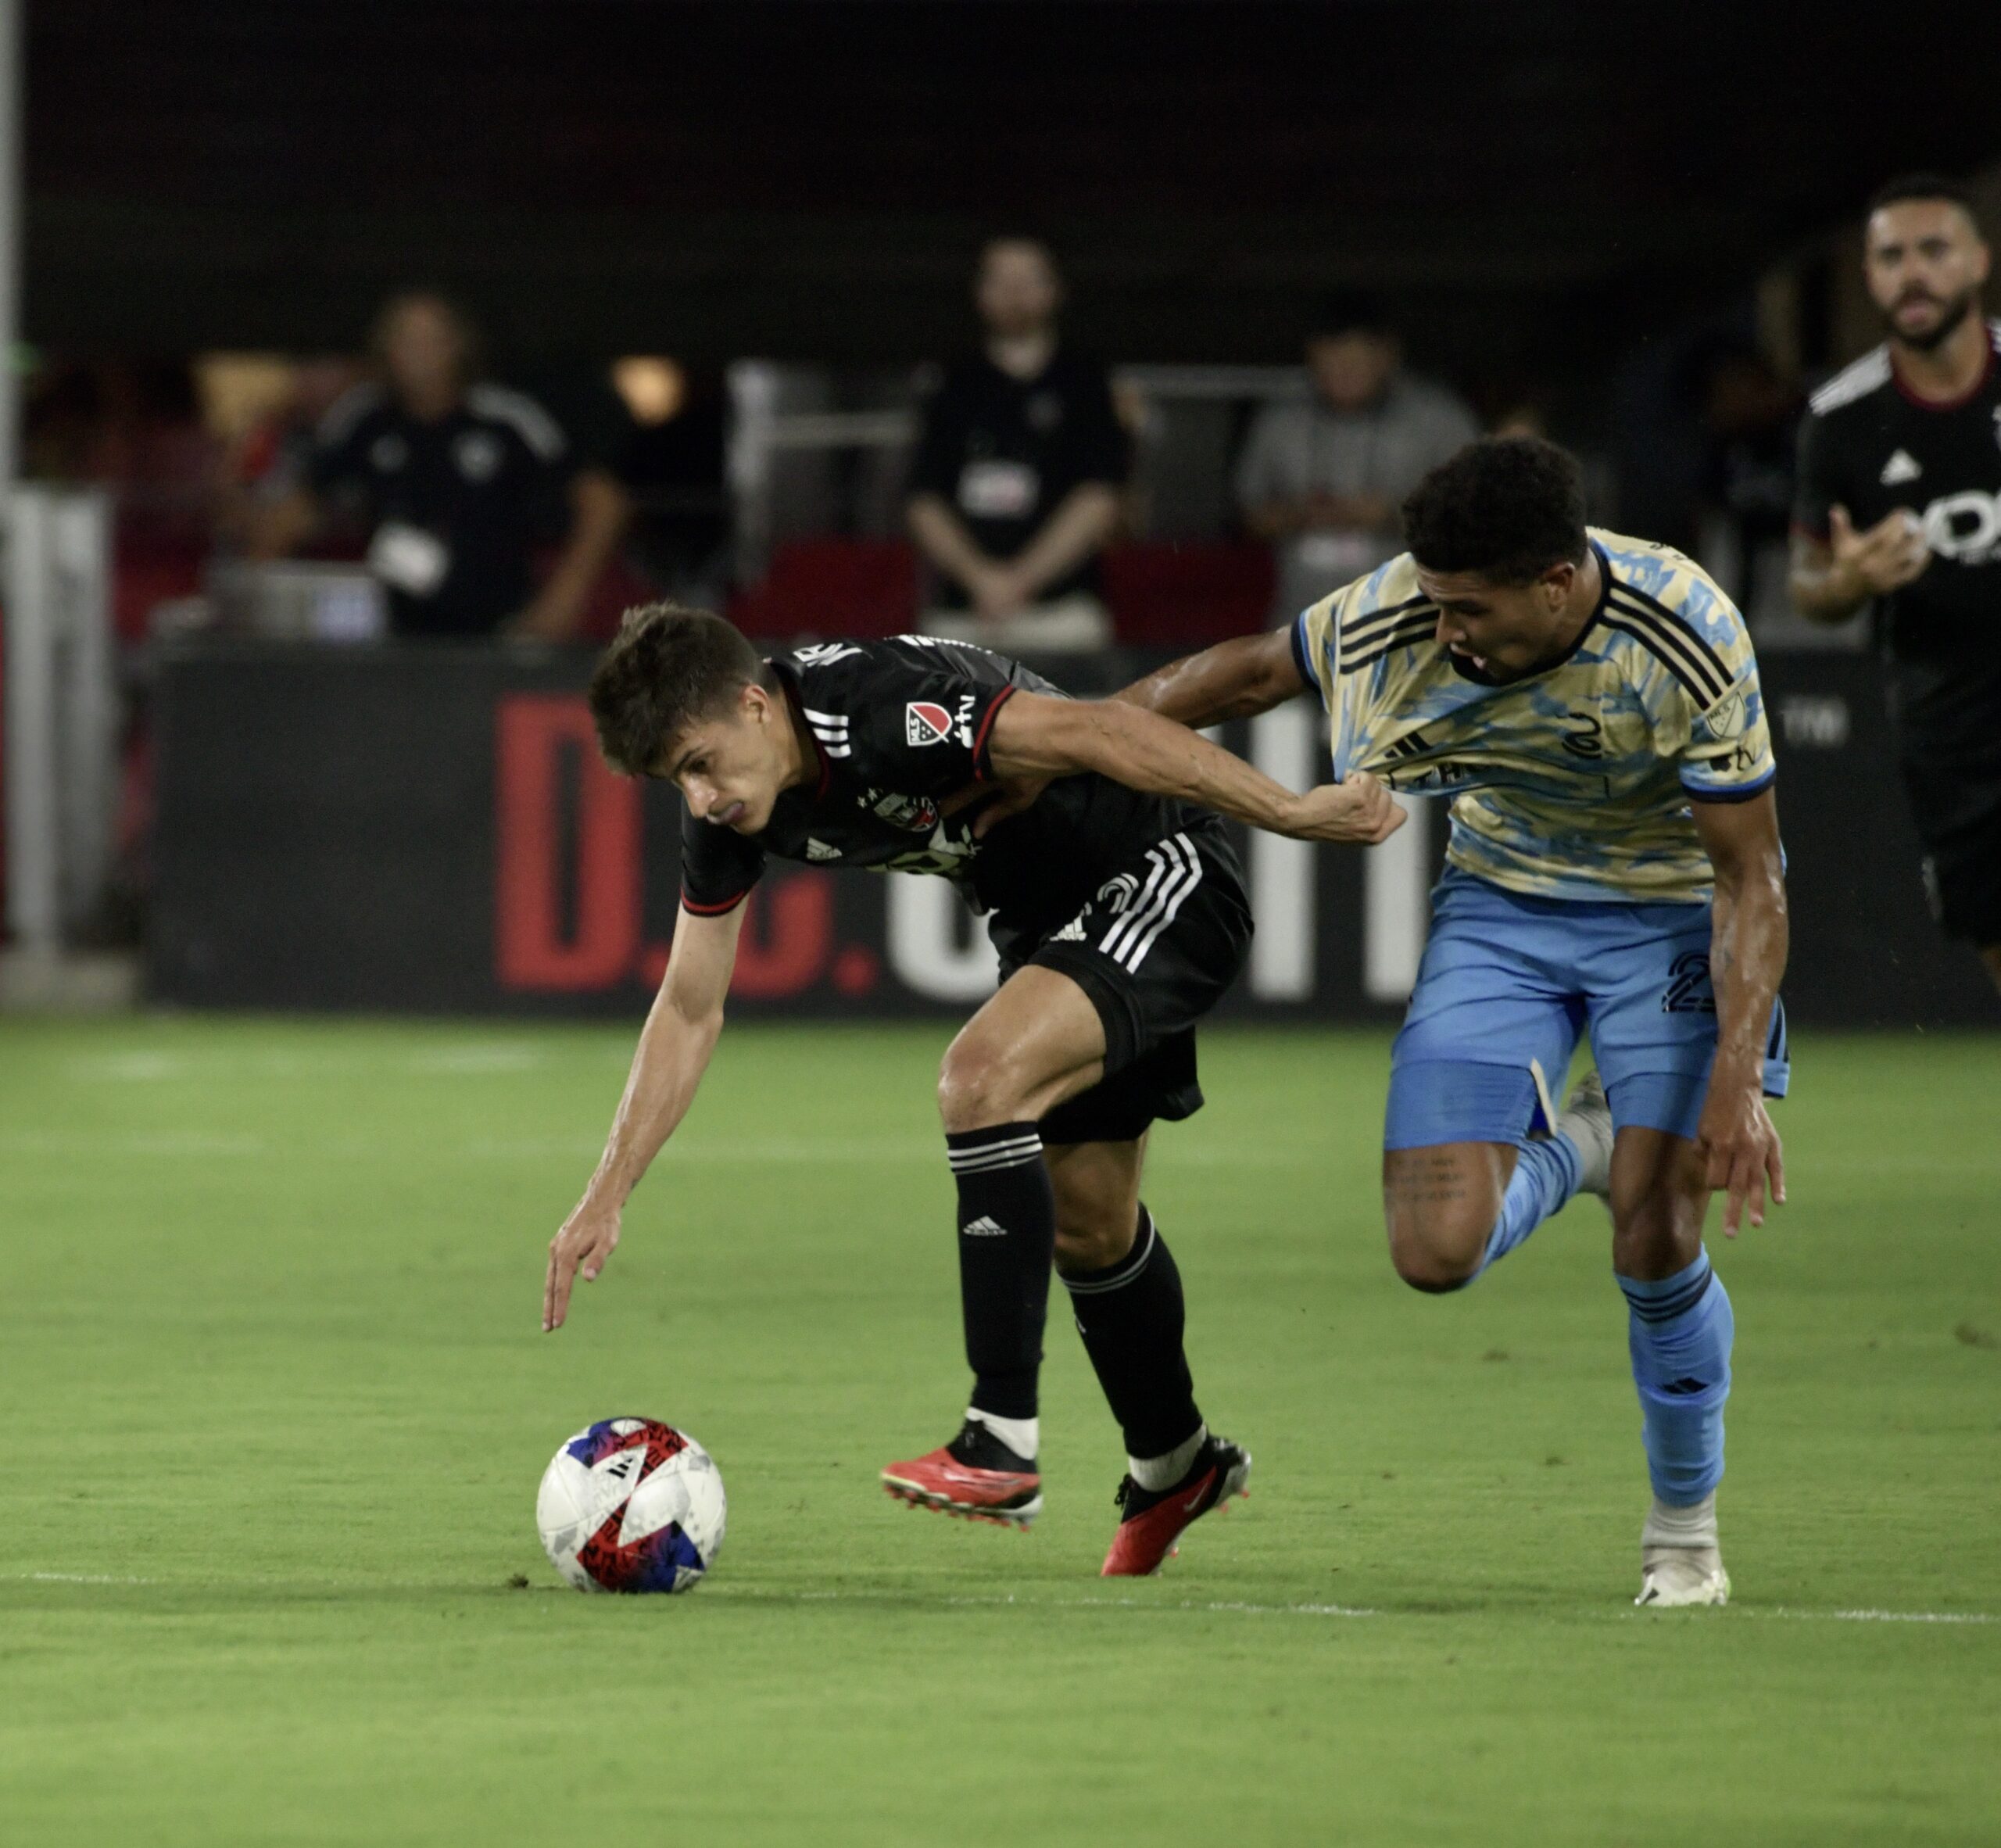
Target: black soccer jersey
x: 898, y: 726
x: 1006, y: 452
x: 456, y: 507
x: 1869, y: 445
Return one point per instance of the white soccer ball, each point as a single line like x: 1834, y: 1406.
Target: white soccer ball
x: 632, y: 1504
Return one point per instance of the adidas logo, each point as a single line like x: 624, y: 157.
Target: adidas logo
x: 818, y: 850
x: 984, y: 1227
x: 1901, y: 467
x: 1071, y: 933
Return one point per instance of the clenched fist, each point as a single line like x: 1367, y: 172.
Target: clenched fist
x: 1358, y: 810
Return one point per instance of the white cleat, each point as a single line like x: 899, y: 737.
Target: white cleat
x: 1587, y: 1121
x: 1677, y: 1575
x: 1680, y: 1563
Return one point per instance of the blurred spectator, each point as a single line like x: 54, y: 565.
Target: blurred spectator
x: 1321, y: 478
x: 1017, y: 483
x: 456, y: 482
x: 1749, y: 414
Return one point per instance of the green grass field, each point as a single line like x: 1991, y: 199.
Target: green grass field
x: 274, y: 1403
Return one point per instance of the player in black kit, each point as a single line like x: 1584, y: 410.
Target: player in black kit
x: 1118, y: 907
x: 1899, y: 501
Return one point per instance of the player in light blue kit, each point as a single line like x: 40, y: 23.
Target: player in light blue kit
x: 1591, y: 704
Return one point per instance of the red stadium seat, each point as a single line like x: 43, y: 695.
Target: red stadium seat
x: 832, y: 587
x: 618, y: 589
x: 1166, y: 595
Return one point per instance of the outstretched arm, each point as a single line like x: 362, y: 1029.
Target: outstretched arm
x: 1747, y: 960
x: 1238, y: 678
x: 673, y: 1051
x: 1038, y: 736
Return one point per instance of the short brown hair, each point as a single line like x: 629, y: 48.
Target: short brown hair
x: 668, y: 669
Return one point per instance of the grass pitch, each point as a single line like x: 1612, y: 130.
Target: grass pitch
x: 274, y: 1403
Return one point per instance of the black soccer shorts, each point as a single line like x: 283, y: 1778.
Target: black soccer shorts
x: 1165, y: 936
x: 1958, y: 814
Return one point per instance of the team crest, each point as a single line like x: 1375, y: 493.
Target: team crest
x: 478, y: 455
x: 925, y: 722
x: 914, y: 812
x: 1588, y: 740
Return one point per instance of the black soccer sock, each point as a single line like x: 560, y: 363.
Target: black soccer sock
x: 1131, y: 1316
x: 1007, y: 1241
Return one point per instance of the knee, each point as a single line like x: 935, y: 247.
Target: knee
x: 1654, y: 1239
x: 1092, y: 1244
x: 1436, y: 1256
x: 977, y: 1087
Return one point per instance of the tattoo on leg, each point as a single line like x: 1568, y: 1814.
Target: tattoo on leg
x: 1428, y: 1177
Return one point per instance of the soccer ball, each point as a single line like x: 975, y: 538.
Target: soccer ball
x: 632, y: 1504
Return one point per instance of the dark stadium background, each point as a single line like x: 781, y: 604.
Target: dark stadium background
x: 1533, y: 184
x: 1574, y: 209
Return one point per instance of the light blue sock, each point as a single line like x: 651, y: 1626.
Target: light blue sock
x: 1547, y: 1170
x: 1680, y: 1330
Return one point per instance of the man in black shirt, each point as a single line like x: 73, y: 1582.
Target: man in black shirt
x: 459, y: 482
x: 1015, y: 486
x: 1899, y: 501
x: 1118, y: 909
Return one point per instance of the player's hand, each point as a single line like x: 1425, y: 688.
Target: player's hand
x: 1886, y: 557
x: 590, y: 1236
x: 1738, y: 1141
x: 1359, y: 809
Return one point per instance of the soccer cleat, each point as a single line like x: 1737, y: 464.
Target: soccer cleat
x: 1680, y: 1563
x: 975, y: 1477
x: 1150, y: 1521
x: 1587, y: 1121
x: 1677, y: 1575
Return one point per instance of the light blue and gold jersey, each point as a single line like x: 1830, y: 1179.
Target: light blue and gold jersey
x: 1574, y: 783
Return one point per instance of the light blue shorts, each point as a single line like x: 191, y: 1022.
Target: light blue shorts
x: 1506, y: 979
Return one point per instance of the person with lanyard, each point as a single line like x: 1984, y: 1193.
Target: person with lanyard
x: 1016, y: 488
x: 458, y: 481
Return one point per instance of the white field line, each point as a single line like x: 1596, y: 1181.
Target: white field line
x: 473, y: 1058
x: 203, y: 1143
x: 1877, y: 1617
x: 1009, y: 1601
x: 83, y: 1578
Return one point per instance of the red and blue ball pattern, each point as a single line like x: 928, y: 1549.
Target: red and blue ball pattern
x: 664, y: 1561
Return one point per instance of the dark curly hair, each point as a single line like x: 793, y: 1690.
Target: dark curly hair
x: 668, y: 669
x: 1507, y: 507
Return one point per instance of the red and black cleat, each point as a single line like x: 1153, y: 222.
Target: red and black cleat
x: 1150, y: 1521
x: 975, y: 1477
